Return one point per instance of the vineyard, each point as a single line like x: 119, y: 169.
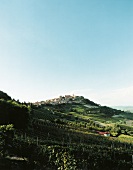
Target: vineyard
x: 66, y: 137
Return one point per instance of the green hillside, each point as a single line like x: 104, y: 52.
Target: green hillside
x: 68, y: 133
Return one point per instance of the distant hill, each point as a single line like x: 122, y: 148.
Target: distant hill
x: 79, y: 108
x: 124, y: 108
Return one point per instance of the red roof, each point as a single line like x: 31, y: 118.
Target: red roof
x: 102, y: 133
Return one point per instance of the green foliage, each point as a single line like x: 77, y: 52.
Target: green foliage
x: 6, y: 128
x: 6, y: 136
x: 14, y: 113
x: 4, y: 96
x: 75, y: 157
x: 116, y: 130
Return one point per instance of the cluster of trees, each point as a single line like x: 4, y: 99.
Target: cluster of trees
x: 4, y: 96
x: 6, y: 137
x: 13, y: 112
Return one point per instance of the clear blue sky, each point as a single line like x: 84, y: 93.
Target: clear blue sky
x: 55, y: 47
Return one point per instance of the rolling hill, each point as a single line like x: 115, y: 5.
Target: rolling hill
x: 71, y: 132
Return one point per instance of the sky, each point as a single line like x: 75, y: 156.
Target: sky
x: 50, y: 48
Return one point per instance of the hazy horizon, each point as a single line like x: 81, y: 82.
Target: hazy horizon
x: 53, y: 48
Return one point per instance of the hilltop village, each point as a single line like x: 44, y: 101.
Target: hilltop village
x: 62, y: 99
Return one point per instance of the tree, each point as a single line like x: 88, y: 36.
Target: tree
x: 116, y: 130
x: 6, y: 136
x: 14, y: 113
x: 4, y: 96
